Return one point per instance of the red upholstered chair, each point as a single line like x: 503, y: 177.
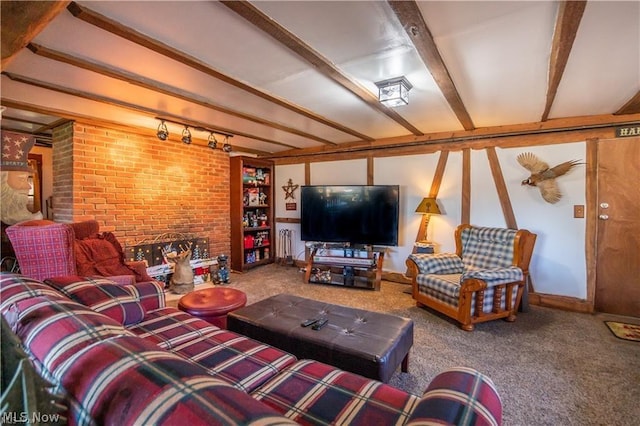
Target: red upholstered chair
x: 46, y: 249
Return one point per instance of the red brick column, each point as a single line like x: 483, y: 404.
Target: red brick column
x: 138, y: 186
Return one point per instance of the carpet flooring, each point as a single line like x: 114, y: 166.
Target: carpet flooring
x: 551, y: 367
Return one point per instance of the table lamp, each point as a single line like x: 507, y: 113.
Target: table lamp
x: 427, y: 207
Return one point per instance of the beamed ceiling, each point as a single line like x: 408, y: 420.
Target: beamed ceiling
x: 289, y: 78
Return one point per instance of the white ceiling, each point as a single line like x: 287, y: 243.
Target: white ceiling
x: 496, y: 53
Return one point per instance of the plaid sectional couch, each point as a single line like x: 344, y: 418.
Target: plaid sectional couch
x: 119, y: 356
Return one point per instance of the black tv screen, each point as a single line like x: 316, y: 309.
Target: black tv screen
x: 355, y: 214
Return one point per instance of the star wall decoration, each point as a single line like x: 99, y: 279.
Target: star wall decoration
x: 289, y: 188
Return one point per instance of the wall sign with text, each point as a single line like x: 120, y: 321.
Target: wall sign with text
x: 627, y: 131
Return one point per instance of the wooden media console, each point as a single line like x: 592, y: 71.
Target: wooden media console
x: 348, y: 267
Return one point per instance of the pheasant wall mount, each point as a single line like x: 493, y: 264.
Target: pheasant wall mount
x: 544, y: 177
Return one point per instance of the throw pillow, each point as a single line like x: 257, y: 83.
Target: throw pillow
x: 440, y: 263
x: 102, y: 295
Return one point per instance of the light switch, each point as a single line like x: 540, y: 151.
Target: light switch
x: 578, y: 211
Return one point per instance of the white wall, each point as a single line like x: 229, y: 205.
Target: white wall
x: 558, y: 265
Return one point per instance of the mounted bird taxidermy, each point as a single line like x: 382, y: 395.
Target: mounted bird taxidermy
x: 544, y: 177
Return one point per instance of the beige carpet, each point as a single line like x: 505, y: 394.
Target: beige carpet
x: 551, y: 367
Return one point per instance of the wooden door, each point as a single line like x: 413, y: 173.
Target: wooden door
x: 618, y: 227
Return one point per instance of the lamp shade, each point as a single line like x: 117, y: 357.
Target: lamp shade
x: 428, y: 206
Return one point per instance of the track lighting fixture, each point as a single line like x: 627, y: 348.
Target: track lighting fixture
x: 212, y: 142
x: 163, y: 132
x: 186, y: 135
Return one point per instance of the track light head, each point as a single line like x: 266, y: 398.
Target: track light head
x: 226, y: 147
x: 186, y: 135
x: 163, y: 132
x: 213, y: 143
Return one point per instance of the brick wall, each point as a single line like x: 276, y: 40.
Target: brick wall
x: 63, y: 173
x: 140, y: 187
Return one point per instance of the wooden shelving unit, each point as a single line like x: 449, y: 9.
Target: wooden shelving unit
x: 348, y: 267
x: 252, y: 232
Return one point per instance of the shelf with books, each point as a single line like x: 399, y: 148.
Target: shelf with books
x: 251, y: 212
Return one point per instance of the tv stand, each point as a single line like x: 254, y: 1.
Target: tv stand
x: 346, y: 266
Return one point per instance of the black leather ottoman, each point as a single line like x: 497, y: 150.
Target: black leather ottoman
x: 367, y: 343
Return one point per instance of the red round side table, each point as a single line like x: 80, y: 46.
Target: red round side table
x: 213, y: 304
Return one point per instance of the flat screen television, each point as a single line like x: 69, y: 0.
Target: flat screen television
x: 354, y: 214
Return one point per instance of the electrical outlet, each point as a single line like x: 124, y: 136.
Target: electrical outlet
x: 578, y: 211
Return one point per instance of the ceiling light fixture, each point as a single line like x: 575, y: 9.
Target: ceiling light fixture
x: 186, y: 135
x: 213, y: 143
x: 163, y: 132
x: 394, y: 92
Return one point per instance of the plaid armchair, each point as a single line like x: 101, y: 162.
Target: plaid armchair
x: 484, y: 280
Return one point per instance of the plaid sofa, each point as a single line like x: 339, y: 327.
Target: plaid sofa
x: 482, y: 281
x: 116, y: 366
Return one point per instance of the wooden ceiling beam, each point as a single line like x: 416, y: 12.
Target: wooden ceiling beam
x: 136, y: 37
x: 162, y: 88
x: 22, y: 120
x: 90, y: 120
x: 411, y: 19
x: 631, y: 107
x: 549, y: 128
x: 21, y: 21
x: 321, y: 64
x: 135, y: 108
x: 52, y: 126
x: 567, y: 23
x: 21, y: 130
